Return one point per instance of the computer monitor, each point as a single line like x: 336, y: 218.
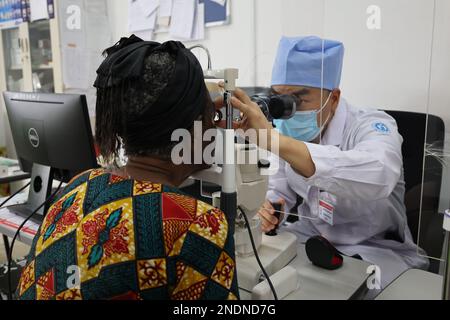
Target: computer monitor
x: 53, y: 132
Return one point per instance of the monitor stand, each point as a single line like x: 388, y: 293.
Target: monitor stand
x: 40, y: 190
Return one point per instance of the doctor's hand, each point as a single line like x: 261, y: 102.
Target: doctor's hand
x: 294, y: 152
x: 269, y: 220
x: 252, y: 116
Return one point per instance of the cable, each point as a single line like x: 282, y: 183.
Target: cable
x: 4, y: 203
x: 10, y: 294
x: 257, y: 256
x: 15, y: 194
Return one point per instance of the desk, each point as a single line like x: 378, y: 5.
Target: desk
x: 320, y: 284
x: 14, y: 174
x: 10, y: 222
x: 414, y: 285
x: 315, y: 283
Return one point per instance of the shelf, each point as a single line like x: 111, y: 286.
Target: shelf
x: 43, y: 67
x: 15, y: 68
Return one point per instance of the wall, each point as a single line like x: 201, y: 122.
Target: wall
x: 230, y: 46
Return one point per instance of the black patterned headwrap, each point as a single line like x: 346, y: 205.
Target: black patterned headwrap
x: 122, y: 74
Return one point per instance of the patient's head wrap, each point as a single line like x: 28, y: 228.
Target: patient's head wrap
x: 148, y: 118
x: 308, y: 61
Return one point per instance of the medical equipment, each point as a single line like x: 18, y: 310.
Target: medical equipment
x: 244, y: 188
x: 323, y: 254
x: 446, y: 288
x: 277, y: 208
x: 276, y: 106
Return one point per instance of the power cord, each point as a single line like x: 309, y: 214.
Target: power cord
x: 10, y: 294
x: 247, y: 224
x: 4, y: 203
x: 14, y: 195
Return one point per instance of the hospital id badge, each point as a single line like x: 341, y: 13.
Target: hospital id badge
x: 326, y: 207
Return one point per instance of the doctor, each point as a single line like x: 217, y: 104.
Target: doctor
x: 344, y: 162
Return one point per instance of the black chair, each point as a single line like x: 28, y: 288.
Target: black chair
x: 411, y: 126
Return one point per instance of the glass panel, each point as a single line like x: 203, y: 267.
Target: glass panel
x: 435, y: 195
x: 434, y: 191
x: 396, y: 60
x: 395, y: 65
x: 41, y: 56
x: 13, y: 60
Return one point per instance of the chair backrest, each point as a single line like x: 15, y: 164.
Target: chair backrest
x: 412, y: 128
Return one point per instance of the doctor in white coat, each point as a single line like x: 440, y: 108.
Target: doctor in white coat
x: 345, y: 162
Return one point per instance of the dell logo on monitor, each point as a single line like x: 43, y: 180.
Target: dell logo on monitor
x: 33, y: 137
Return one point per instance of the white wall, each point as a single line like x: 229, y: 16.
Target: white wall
x: 230, y: 46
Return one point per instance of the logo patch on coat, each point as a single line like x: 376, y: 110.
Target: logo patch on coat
x: 381, y: 128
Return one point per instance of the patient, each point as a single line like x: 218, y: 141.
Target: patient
x: 129, y: 233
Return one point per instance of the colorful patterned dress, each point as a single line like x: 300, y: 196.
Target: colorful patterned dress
x: 107, y: 237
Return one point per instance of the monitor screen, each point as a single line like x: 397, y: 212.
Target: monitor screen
x: 51, y: 130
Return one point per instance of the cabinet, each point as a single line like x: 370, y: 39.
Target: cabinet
x: 30, y: 57
x: 32, y: 54
x: 30, y: 61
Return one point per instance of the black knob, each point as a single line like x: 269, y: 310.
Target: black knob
x: 263, y: 164
x: 277, y: 207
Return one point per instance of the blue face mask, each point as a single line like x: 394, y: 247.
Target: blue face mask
x: 303, y: 125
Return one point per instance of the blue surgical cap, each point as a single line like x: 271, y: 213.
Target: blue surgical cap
x: 300, y: 60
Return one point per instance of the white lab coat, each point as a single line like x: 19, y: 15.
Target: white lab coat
x: 359, y: 167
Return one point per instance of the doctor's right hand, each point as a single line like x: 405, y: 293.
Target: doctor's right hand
x: 252, y: 116
x: 270, y: 219
x: 293, y: 151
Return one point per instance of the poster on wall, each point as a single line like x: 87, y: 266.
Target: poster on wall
x: 184, y: 20
x: 13, y: 13
x: 41, y: 10
x: 81, y: 48
x: 217, y: 12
